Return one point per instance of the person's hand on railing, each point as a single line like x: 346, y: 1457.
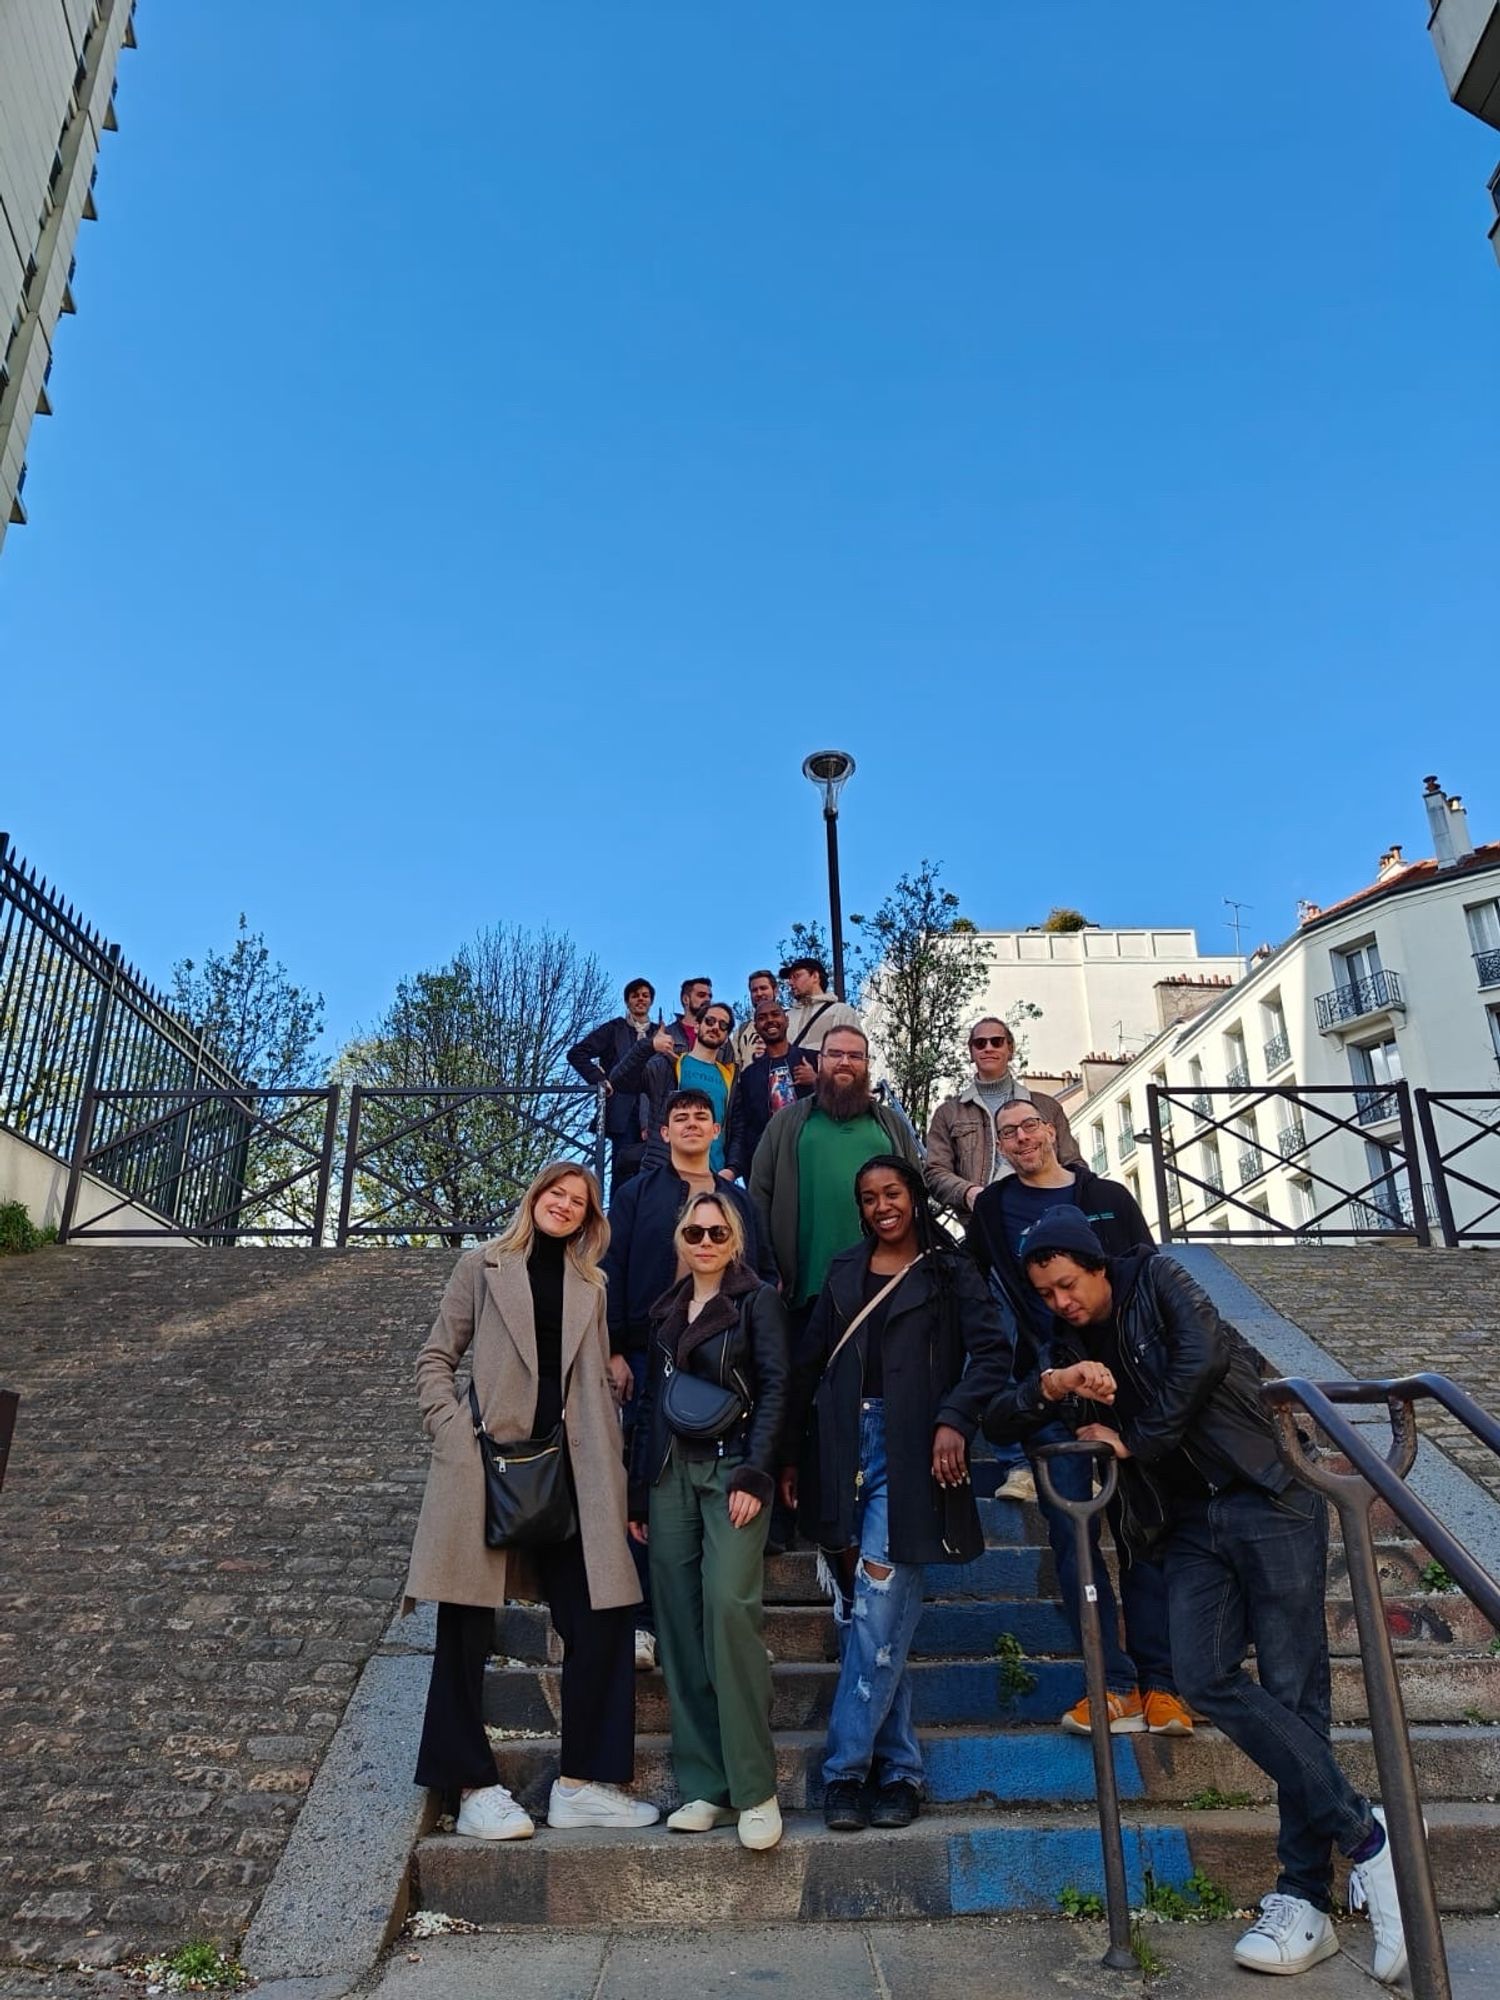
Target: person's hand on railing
x: 1102, y: 1434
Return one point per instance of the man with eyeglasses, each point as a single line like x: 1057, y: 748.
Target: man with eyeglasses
x: 1142, y: 1692
x: 815, y: 1011
x: 641, y: 1263
x: 656, y: 1068
x: 963, y: 1157
x: 802, y: 1173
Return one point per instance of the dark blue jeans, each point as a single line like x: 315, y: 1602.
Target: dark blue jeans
x: 1250, y: 1568
x: 1145, y: 1660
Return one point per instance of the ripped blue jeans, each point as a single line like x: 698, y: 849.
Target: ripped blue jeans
x: 870, y: 1729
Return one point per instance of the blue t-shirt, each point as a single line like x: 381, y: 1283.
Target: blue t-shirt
x: 1021, y: 1209
x: 694, y: 1074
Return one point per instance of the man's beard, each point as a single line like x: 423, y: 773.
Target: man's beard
x: 840, y: 1100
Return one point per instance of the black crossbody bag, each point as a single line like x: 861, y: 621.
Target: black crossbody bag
x: 528, y: 1491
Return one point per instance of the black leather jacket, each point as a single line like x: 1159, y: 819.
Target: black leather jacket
x: 739, y: 1338
x: 1197, y: 1380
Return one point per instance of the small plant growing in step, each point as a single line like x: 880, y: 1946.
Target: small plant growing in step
x: 1200, y: 1900
x: 199, y: 1967
x: 1211, y: 1799
x: 18, y: 1233
x: 1152, y: 1965
x: 1016, y: 1678
x: 1433, y: 1576
x: 1081, y: 1903
x: 1493, y: 1648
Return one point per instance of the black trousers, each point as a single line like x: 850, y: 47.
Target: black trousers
x: 598, y: 1684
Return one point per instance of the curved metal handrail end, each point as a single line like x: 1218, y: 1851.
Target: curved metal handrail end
x: 1077, y: 1448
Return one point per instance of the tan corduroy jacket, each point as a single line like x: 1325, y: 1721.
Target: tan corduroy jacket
x: 961, y: 1142
x: 487, y: 1306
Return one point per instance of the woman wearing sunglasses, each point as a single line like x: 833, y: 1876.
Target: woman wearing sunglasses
x: 715, y: 1403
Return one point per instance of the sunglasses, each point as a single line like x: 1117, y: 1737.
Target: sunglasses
x: 694, y: 1232
x: 989, y: 1041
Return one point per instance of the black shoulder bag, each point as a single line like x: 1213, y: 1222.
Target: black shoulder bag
x: 697, y: 1409
x: 528, y: 1494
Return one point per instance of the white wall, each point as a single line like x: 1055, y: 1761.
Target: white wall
x: 40, y: 1182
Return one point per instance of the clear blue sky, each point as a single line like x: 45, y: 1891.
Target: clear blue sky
x: 499, y: 440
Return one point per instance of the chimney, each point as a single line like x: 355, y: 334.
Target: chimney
x: 1307, y: 911
x: 1390, y: 862
x: 1448, y: 829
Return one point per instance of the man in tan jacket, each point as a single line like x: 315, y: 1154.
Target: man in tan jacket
x: 962, y: 1155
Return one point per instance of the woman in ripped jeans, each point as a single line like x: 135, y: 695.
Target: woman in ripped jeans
x: 902, y: 1355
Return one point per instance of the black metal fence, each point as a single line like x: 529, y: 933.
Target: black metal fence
x: 75, y: 1019
x: 1467, y: 1196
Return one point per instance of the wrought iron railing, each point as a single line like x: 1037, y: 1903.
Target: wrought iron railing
x: 1291, y: 1139
x: 1237, y: 1076
x: 1198, y: 1104
x: 75, y: 1017
x: 1358, y: 997
x: 1487, y: 967
x: 1127, y: 1144
x: 1252, y: 1166
x: 1099, y: 1161
x: 1461, y: 1131
x: 1278, y: 1051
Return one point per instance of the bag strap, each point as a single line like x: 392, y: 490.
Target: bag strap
x: 869, y: 1306
x: 479, y: 1429
x: 813, y: 1019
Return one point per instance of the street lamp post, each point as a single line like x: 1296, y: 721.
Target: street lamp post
x: 830, y: 770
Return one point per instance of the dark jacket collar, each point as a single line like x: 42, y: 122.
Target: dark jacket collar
x: 677, y: 1334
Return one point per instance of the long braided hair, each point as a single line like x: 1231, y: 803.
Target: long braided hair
x: 931, y: 1238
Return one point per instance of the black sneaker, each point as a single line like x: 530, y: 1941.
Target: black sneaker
x: 844, y: 1807
x: 896, y: 1804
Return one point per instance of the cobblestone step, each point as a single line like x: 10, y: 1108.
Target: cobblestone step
x: 1036, y: 1766
x: 1458, y: 1688
x: 946, y: 1864
x: 955, y: 1629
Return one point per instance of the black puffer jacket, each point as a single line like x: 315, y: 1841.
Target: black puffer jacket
x: 937, y: 1368
x: 1197, y: 1380
x: 739, y: 1339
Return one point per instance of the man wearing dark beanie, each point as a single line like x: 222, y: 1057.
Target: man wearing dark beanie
x: 1141, y: 1361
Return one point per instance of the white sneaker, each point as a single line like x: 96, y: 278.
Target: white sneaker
x: 1018, y: 1484
x: 1372, y: 1887
x: 1288, y: 1936
x: 698, y: 1816
x: 598, y: 1805
x: 645, y: 1652
x: 490, y: 1813
x: 760, y: 1826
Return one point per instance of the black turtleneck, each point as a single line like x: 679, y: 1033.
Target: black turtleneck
x: 544, y: 1267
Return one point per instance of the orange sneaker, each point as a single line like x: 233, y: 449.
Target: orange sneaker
x: 1126, y: 1716
x: 1165, y: 1714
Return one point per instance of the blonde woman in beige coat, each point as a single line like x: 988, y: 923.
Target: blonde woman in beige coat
x: 530, y: 1306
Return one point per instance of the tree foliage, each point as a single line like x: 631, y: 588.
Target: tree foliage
x: 261, y: 1024
x: 501, y: 1014
x: 1061, y: 919
x: 810, y: 940
x: 926, y: 970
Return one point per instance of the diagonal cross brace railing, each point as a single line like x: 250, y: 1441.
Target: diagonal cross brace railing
x: 1354, y: 1494
x: 1484, y: 1125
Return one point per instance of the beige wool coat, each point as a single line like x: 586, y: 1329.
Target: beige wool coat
x: 487, y: 1306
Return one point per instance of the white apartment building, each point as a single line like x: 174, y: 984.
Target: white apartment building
x: 57, y: 83
x: 1097, y: 989
x: 1401, y: 980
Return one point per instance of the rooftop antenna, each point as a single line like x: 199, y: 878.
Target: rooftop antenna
x: 1236, y: 923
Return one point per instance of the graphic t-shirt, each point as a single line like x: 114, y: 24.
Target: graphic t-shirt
x: 830, y: 1152
x: 781, y: 1090
x: 695, y: 1074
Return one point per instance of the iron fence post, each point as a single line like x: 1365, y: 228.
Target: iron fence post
x: 90, y: 1084
x: 1441, y: 1191
x: 600, y: 1149
x: 325, y: 1165
x: 83, y: 1140
x: 351, y: 1147
x: 1413, y: 1166
x: 1158, y: 1163
x: 1118, y: 1957
x: 10, y: 1402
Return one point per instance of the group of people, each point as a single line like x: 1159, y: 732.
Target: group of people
x: 795, y: 1319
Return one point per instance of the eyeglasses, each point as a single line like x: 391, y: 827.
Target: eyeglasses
x: 1022, y: 1128
x: 845, y: 1056
x: 694, y: 1232
x: 989, y: 1041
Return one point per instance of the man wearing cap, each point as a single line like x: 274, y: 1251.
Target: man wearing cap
x: 1141, y: 1361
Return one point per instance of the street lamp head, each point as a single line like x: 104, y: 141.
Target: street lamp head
x: 831, y: 769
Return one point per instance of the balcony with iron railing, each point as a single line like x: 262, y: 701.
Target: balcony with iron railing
x: 1487, y: 966
x: 1292, y: 1139
x: 1127, y: 1144
x: 1377, y: 1107
x: 1378, y: 993
x: 1237, y: 1076
x: 1199, y: 1103
x: 1099, y: 1160
x: 1278, y: 1051
x: 1252, y: 1166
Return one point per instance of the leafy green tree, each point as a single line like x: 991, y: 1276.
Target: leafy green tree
x: 244, y: 1003
x: 926, y: 970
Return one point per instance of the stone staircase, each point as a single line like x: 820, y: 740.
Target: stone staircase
x: 1009, y: 1819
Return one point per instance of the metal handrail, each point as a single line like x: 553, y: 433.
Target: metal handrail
x: 1354, y: 1494
x: 10, y: 1402
x: 1118, y: 1957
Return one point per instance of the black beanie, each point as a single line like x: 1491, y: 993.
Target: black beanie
x: 1066, y: 1229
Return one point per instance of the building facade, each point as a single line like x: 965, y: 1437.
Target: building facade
x: 1466, y: 36
x: 1401, y: 980
x: 57, y: 83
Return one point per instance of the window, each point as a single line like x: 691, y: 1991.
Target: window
x: 1304, y: 1208
x: 1494, y: 1020
x: 1380, y: 1062
x: 1195, y: 1077
x: 1358, y: 962
x: 1278, y: 1047
x: 1126, y: 1134
x: 1098, y: 1153
x: 1236, y: 1059
x: 1163, y: 1103
x: 1213, y: 1167
x: 1484, y: 941
x: 1248, y: 1138
x: 1386, y: 1204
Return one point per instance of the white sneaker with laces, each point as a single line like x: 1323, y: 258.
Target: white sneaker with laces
x: 490, y: 1813
x: 700, y: 1816
x: 645, y: 1652
x: 1288, y: 1936
x: 1372, y: 1887
x: 597, y: 1805
x: 760, y: 1826
x: 1018, y: 1484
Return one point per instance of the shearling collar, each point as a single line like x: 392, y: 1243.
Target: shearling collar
x: 680, y: 1337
